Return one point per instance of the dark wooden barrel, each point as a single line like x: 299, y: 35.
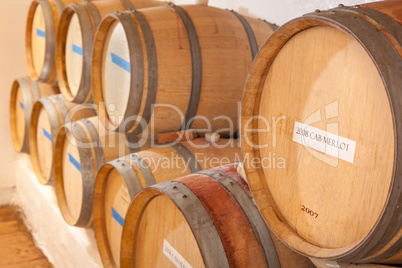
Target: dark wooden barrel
x: 330, y: 84
x: 206, y: 219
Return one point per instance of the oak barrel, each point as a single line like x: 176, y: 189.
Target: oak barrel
x: 120, y: 180
x: 77, y: 29
x: 24, y: 93
x: 48, y: 114
x: 81, y: 149
x: 187, y: 60
x: 206, y: 219
x: 40, y: 39
x: 324, y: 97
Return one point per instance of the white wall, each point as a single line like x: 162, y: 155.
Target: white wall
x: 12, y: 65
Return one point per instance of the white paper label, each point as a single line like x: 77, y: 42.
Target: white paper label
x: 174, y: 256
x: 324, y: 142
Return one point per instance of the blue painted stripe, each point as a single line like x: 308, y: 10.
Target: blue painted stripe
x: 77, y: 49
x: 117, y: 217
x: 40, y: 33
x: 74, y: 162
x: 122, y: 63
x: 21, y: 105
x: 47, y: 134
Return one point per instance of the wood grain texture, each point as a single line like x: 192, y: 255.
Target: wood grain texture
x: 74, y: 59
x: 241, y: 250
x: 48, y: 114
x: 74, y: 69
x: 81, y: 148
x: 38, y: 42
x: 225, y: 55
x: 314, y: 71
x: 149, y: 223
x: 176, y: 136
x: 16, y: 243
x: 177, y: 232
x: 118, y: 182
x: 42, y: 24
x: 24, y: 92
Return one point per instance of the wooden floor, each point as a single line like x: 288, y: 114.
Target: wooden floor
x: 17, y: 248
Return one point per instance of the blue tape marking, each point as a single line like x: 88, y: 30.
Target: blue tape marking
x: 22, y: 105
x: 40, y: 33
x: 47, y: 134
x: 117, y: 217
x: 77, y: 49
x: 122, y: 63
x: 74, y: 162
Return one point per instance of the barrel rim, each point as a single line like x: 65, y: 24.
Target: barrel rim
x: 136, y: 64
x: 84, y: 90
x: 20, y: 145
x: 58, y: 182
x: 48, y: 104
x: 47, y: 73
x: 251, y: 211
x: 205, y: 234
x: 394, y: 30
x: 131, y: 180
x: 251, y: 97
x: 76, y: 129
x: 152, y: 83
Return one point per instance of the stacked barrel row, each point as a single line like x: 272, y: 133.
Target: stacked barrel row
x: 319, y: 131
x: 127, y: 79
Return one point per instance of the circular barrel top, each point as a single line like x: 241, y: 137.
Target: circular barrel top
x: 38, y: 39
x: 72, y: 176
x: 165, y: 230
x: 74, y: 55
x: 330, y: 125
x: 44, y: 143
x: 116, y: 70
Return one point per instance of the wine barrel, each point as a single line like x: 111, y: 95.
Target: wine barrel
x: 24, y: 93
x: 188, y: 60
x: 120, y: 180
x: 331, y: 83
x: 40, y: 39
x: 81, y: 149
x: 206, y: 219
x: 48, y: 114
x: 78, y: 25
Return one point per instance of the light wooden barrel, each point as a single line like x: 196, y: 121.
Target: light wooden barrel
x: 24, y: 93
x: 48, y: 114
x: 206, y: 219
x: 120, y: 180
x: 81, y: 149
x: 40, y: 39
x: 188, y: 60
x: 331, y: 82
x: 78, y: 25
